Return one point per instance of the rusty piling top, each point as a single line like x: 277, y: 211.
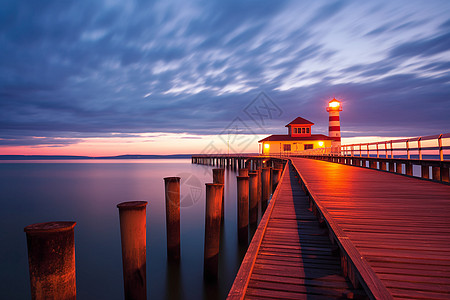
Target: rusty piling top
x: 171, y: 178
x: 132, y: 205
x: 48, y: 227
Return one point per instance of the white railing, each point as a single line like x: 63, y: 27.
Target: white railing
x: 435, y: 147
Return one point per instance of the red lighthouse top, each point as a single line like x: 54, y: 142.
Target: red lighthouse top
x: 334, y: 105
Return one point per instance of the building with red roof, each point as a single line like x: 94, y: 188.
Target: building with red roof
x: 299, y: 138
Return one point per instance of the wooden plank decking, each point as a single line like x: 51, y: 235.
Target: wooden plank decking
x: 290, y: 256
x: 399, y: 225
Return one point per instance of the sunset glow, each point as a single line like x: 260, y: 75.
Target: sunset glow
x: 84, y: 80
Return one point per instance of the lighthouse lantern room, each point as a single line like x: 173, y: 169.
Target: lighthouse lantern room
x: 334, y: 128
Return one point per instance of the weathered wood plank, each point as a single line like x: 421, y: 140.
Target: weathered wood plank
x: 242, y: 279
x: 400, y: 226
x: 295, y: 258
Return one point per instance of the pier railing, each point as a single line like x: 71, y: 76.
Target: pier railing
x: 423, y: 147
x: 411, y: 156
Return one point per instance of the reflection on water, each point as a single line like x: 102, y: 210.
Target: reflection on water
x: 87, y: 192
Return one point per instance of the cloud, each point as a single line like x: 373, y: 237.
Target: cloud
x: 42, y: 141
x: 72, y: 70
x: 423, y: 47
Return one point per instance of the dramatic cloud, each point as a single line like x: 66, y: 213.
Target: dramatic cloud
x: 76, y: 69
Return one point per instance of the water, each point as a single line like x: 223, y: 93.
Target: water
x: 87, y: 192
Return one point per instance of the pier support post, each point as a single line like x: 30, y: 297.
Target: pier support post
x: 409, y: 169
x: 219, y: 177
x: 133, y: 234
x: 444, y: 174
x: 253, y: 191
x: 373, y: 164
x: 398, y: 167
x: 391, y: 166
x: 276, y: 174
x: 383, y: 165
x: 436, y: 173
x: 243, y: 191
x: 425, y: 170
x: 172, y: 189
x: 214, y: 192
x: 258, y: 174
x: 243, y: 172
x: 51, y: 260
x: 266, y: 186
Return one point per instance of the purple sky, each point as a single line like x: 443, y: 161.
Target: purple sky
x: 71, y: 70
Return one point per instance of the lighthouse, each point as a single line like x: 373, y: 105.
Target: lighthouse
x: 334, y: 128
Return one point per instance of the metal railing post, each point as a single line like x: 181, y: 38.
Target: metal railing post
x: 392, y: 151
x: 407, y: 150
x: 385, y: 149
x: 420, y: 148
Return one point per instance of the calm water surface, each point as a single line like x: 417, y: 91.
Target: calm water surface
x: 87, y: 191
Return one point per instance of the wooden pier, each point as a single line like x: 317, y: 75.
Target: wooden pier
x: 335, y: 230
x: 290, y: 256
x: 394, y: 227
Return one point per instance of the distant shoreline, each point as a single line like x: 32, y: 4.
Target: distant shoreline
x: 58, y: 157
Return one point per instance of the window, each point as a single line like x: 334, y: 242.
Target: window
x: 309, y: 146
x: 307, y: 130
x: 303, y: 130
x: 287, y: 147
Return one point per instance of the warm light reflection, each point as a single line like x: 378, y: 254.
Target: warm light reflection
x: 320, y: 144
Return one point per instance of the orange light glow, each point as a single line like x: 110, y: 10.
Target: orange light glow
x: 320, y: 144
x: 266, y: 146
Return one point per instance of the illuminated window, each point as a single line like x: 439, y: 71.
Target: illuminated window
x: 287, y: 147
x: 309, y: 146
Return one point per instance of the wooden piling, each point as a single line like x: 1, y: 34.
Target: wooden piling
x: 266, y: 186
x: 383, y: 165
x: 436, y: 171
x: 398, y: 167
x: 243, y: 172
x: 259, y: 197
x: 242, y: 192
x: 425, y: 171
x: 214, y: 192
x: 219, y: 177
x: 133, y: 234
x: 172, y: 189
x: 391, y: 166
x: 253, y: 195
x: 276, y: 174
x: 51, y: 260
x: 409, y: 169
x: 444, y: 174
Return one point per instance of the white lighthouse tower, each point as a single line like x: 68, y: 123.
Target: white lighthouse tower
x: 334, y: 128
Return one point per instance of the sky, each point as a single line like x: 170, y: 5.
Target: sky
x: 164, y: 77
